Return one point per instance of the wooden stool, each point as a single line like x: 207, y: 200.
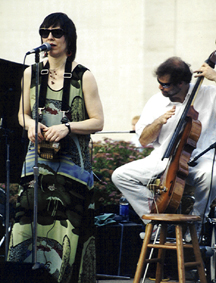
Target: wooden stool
x: 178, y: 220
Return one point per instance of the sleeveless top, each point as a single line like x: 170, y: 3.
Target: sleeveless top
x: 73, y: 159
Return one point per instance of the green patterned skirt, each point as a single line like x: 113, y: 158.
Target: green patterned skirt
x: 65, y: 228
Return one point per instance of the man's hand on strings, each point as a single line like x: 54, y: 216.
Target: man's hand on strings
x: 206, y: 71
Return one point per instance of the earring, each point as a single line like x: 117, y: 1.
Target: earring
x: 69, y: 54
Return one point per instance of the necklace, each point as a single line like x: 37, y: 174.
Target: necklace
x: 53, y: 74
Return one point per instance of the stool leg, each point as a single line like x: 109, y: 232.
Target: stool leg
x: 161, y: 254
x: 143, y: 253
x: 197, y: 253
x: 180, y: 254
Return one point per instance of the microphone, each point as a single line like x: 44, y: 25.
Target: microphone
x: 192, y: 163
x: 44, y: 47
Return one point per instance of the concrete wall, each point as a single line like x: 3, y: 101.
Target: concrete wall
x: 120, y: 41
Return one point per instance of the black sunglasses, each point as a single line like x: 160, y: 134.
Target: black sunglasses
x: 164, y: 85
x: 57, y: 33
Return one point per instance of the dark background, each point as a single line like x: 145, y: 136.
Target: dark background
x: 10, y: 131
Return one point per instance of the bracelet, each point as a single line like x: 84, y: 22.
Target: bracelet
x: 68, y: 126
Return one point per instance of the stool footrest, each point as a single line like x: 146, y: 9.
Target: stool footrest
x: 187, y: 246
x: 191, y: 264
x: 168, y: 246
x: 152, y: 260
x: 158, y: 246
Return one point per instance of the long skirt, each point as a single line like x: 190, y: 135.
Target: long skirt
x: 65, y: 229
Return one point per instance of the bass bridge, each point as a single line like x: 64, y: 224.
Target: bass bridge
x: 157, y: 188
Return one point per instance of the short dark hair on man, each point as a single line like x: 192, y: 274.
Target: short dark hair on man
x: 178, y: 70
x: 62, y: 20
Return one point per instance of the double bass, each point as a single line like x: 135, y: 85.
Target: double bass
x: 169, y: 188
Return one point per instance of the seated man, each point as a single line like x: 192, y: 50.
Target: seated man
x: 156, y: 126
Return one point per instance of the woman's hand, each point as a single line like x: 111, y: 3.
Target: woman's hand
x: 55, y: 133
x: 31, y: 131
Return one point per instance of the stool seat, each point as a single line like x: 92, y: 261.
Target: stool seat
x: 171, y: 217
x: 179, y: 220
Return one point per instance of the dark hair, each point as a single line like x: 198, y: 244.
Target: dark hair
x: 178, y: 70
x: 62, y: 20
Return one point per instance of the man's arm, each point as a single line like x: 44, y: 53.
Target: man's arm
x: 152, y: 131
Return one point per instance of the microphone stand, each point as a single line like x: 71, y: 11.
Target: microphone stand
x: 7, y: 186
x: 36, y: 170
x: 7, y: 202
x: 193, y: 163
x: 7, y: 209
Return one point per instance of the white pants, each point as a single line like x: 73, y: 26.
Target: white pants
x: 131, y: 179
